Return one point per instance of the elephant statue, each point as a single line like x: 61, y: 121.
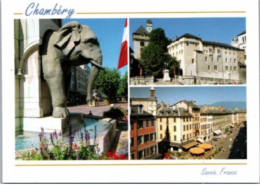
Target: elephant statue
x: 73, y: 44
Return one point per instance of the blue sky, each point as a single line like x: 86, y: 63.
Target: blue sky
x: 109, y: 33
x: 203, y: 95
x: 211, y: 29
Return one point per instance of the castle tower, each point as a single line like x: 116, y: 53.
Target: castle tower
x: 149, y: 25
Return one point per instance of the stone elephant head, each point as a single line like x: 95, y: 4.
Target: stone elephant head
x: 74, y: 44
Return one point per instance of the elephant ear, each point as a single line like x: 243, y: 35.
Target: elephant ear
x: 68, y: 37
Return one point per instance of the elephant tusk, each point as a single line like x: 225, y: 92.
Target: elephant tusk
x: 97, y: 65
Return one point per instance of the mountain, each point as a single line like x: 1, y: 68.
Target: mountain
x: 231, y: 104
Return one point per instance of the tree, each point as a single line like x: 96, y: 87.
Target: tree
x: 155, y: 57
x: 108, y: 82
x: 152, y: 60
x: 123, y: 86
x: 157, y: 36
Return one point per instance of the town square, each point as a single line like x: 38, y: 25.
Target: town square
x: 168, y: 123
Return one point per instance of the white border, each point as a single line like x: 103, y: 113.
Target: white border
x: 171, y: 171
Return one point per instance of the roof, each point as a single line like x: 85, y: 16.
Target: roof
x: 216, y: 111
x: 139, y: 99
x: 134, y: 112
x: 189, y: 103
x: 187, y: 35
x: 173, y: 112
x: 143, y: 99
x: 220, y: 44
x: 141, y: 31
x: 149, y: 21
x: 241, y: 33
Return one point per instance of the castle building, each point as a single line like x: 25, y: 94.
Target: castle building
x: 141, y: 38
x: 239, y: 41
x: 143, y: 134
x: 207, y: 59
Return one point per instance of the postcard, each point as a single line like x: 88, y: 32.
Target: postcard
x: 105, y: 92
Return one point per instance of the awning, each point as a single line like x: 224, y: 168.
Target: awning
x: 217, y: 132
x: 200, y: 140
x: 205, y: 146
x: 197, y: 150
x: 189, y: 145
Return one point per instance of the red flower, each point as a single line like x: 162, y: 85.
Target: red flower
x: 75, y: 146
x: 167, y: 156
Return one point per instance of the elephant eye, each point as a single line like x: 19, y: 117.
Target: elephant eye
x: 92, y: 41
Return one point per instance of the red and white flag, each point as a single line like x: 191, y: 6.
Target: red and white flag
x: 123, y: 57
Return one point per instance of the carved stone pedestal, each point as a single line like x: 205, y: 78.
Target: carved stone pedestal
x: 166, y: 76
x: 50, y: 124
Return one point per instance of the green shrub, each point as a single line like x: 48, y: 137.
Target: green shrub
x: 115, y: 113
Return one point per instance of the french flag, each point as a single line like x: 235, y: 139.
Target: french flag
x: 123, y: 57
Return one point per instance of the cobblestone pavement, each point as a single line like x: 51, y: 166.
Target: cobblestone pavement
x: 97, y: 111
x: 234, y: 145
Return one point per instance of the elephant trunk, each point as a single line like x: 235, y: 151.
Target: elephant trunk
x: 93, y: 75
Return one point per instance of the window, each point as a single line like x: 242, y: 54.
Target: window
x: 160, y: 127
x: 175, y: 138
x: 142, y: 43
x: 226, y: 60
x: 235, y: 68
x: 152, y: 137
x: 208, y: 67
x: 174, y: 120
x: 140, y: 139
x: 174, y: 128
x: 152, y: 150
x: 183, y: 127
x: 141, y: 154
x: 146, y: 138
x: 215, y: 67
x: 152, y: 123
x: 183, y: 137
x: 140, y: 124
x: 160, y: 119
x: 132, y: 141
x: 147, y: 123
x: 132, y: 125
x: 206, y: 59
x: 167, y: 120
x: 226, y: 67
x: 161, y: 136
x: 192, y: 60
